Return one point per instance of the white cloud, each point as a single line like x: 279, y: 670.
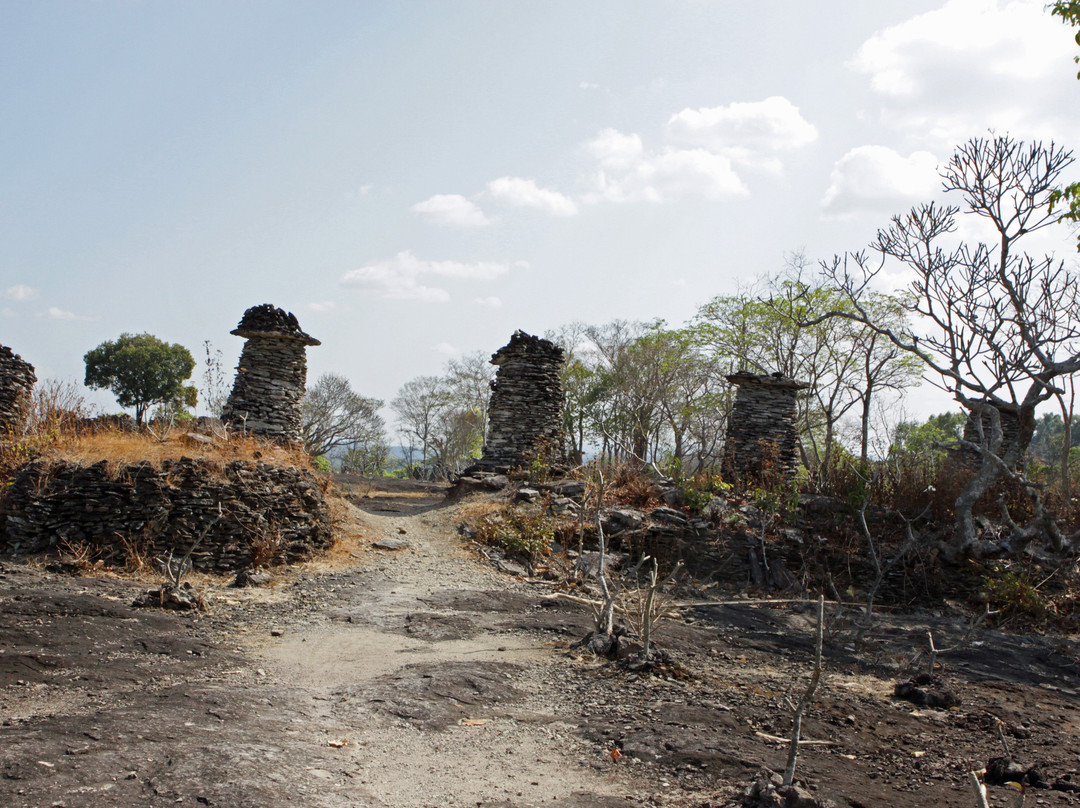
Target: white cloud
x: 55, y: 313
x: 627, y: 173
x: 704, y: 146
x: 971, y: 65
x: 400, y: 277
x: 616, y: 151
x: 322, y: 306
x: 488, y: 302
x: 20, y: 292
x: 588, y: 85
x: 750, y: 133
x: 453, y: 210
x: 7, y: 312
x: 523, y: 193
x: 876, y: 178
x: 445, y: 348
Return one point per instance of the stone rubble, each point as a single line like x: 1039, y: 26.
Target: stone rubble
x: 271, y: 377
x: 16, y: 386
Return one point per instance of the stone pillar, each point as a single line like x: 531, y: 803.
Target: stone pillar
x: 525, y: 412
x: 272, y: 374
x: 16, y: 385
x: 762, y: 429
x: 964, y: 460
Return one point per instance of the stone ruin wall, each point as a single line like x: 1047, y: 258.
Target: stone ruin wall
x: 276, y: 514
x: 525, y: 412
x: 271, y: 377
x: 762, y: 428
x: 965, y: 462
x: 16, y: 387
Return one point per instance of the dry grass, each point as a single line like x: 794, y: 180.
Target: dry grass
x: 473, y: 510
x: 131, y: 447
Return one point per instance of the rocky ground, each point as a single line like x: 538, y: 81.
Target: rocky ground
x: 422, y: 676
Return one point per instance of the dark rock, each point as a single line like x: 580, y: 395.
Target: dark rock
x: 510, y: 567
x: 926, y: 691
x: 669, y: 516
x: 252, y: 577
x: 182, y: 598
x: 619, y: 519
x: 588, y: 563
x: 574, y: 489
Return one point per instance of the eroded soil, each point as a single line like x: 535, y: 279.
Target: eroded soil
x: 423, y: 677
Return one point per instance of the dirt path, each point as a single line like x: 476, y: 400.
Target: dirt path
x: 400, y: 660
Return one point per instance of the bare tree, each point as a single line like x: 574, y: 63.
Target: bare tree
x: 334, y: 415
x: 444, y: 415
x: 997, y: 326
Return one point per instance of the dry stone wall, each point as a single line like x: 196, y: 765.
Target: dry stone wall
x: 525, y: 412
x: 272, y: 375
x: 16, y: 386
x: 966, y: 461
x: 248, y: 511
x: 763, y: 435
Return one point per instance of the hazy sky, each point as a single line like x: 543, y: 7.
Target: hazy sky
x: 416, y: 180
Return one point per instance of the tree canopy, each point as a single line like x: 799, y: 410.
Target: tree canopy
x: 140, y: 370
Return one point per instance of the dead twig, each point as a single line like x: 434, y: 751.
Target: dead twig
x: 815, y: 676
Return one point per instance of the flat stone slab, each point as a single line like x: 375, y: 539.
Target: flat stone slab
x: 390, y: 543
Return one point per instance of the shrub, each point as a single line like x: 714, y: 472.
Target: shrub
x: 517, y: 532
x: 1015, y: 594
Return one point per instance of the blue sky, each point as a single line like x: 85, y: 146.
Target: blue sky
x: 416, y: 180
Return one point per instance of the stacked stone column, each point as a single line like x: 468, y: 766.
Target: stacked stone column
x: 525, y: 412
x: 968, y: 461
x: 16, y: 386
x: 271, y: 377
x: 763, y: 433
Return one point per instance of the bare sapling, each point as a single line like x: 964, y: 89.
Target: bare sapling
x: 881, y: 569
x: 605, y: 622
x: 804, y: 702
x: 652, y: 611
x: 973, y: 626
x: 979, y: 789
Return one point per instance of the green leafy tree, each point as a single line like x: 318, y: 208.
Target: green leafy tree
x: 140, y: 370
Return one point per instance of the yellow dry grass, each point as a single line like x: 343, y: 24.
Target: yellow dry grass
x: 132, y: 447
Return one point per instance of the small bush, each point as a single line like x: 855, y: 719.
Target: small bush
x: 1015, y: 594
x: 517, y: 532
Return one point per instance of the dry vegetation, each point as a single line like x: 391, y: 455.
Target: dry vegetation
x: 172, y: 444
